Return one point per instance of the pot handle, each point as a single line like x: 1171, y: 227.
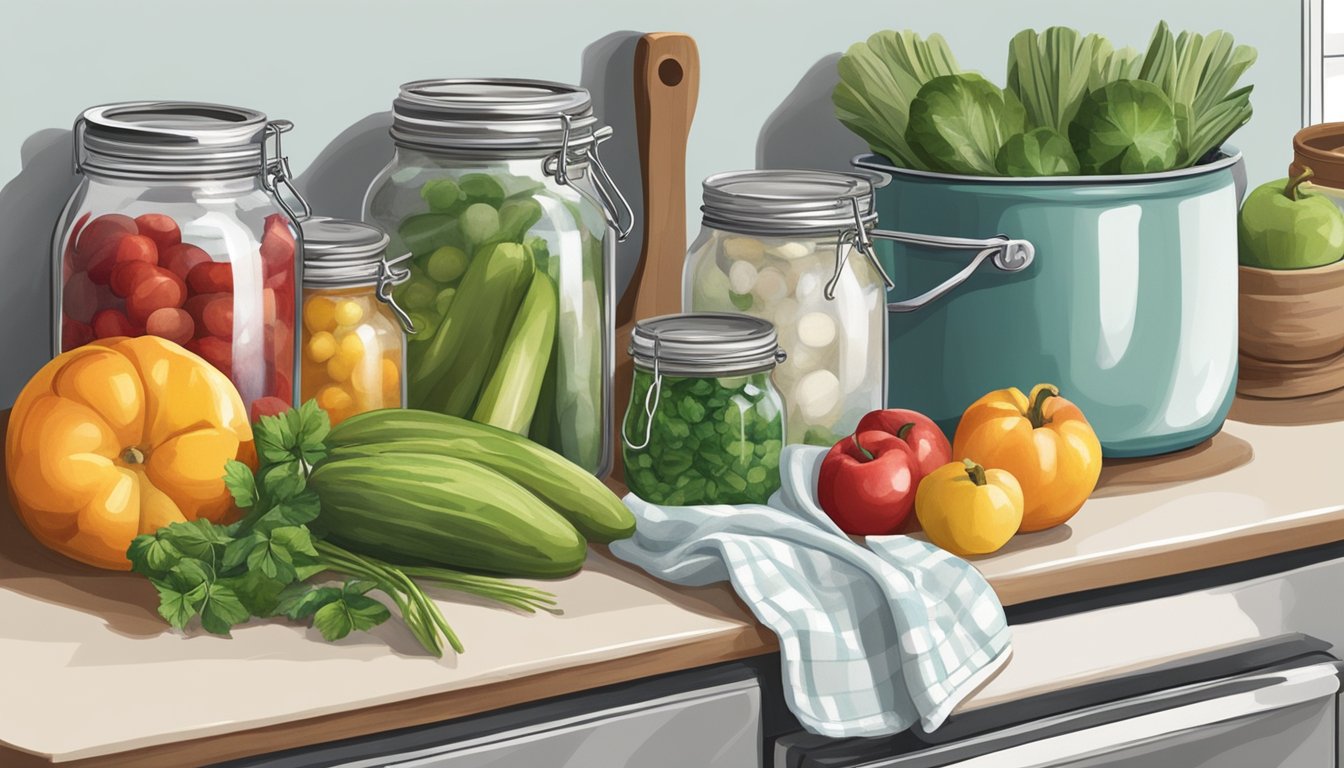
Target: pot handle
x: 1005, y: 253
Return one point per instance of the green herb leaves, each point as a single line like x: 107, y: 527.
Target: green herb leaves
x: 965, y: 125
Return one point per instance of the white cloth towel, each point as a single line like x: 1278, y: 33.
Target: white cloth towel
x: 873, y: 638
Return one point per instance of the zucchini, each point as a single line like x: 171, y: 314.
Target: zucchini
x: 581, y: 498
x: 443, y: 511
x: 510, y: 395
x: 487, y: 297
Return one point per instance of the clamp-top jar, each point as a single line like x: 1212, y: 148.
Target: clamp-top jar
x: 178, y: 229
x: 497, y: 190
x: 705, y: 425
x: 354, y: 351
x: 777, y: 244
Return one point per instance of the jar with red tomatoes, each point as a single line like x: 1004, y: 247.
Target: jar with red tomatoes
x: 178, y: 229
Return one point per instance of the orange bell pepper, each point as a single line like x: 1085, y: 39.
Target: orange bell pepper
x: 119, y: 438
x: 1043, y: 440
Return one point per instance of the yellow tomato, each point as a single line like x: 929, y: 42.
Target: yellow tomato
x: 967, y: 509
x: 1043, y: 440
x: 119, y: 438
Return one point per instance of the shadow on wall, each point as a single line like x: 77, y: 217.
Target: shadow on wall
x: 29, y: 206
x: 802, y: 132
x: 608, y: 74
x: 335, y: 182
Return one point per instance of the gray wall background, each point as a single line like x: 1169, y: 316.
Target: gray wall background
x: 333, y: 66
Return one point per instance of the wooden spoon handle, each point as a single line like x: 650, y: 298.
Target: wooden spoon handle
x: 667, y: 85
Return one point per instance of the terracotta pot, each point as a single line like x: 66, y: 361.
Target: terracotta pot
x: 1291, y: 335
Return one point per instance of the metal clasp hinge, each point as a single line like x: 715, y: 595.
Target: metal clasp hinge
x: 615, y: 208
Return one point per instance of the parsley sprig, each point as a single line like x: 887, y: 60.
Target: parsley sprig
x: 262, y: 565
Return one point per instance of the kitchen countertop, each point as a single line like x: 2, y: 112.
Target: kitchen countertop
x: 108, y: 684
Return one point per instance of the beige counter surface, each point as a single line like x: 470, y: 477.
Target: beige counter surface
x: 94, y: 678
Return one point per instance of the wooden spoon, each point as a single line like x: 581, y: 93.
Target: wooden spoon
x: 667, y: 84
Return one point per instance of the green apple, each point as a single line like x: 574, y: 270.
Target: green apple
x: 1282, y: 226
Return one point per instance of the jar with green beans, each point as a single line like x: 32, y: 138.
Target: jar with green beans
x: 705, y: 423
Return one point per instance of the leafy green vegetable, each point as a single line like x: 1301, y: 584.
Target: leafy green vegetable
x: 1038, y: 152
x: 1050, y: 74
x: 1125, y: 127
x: 259, y: 566
x: 1198, y: 73
x: 878, y: 80
x: 958, y: 123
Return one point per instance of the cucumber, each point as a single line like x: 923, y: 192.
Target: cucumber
x: 489, y: 289
x: 510, y: 395
x: 581, y: 498
x: 443, y: 511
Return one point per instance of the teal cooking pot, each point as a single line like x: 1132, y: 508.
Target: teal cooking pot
x: 1122, y: 290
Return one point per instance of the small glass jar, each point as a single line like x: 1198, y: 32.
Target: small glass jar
x: 705, y: 424
x: 177, y: 229
x: 354, y: 351
x: 776, y: 244
x: 508, y: 169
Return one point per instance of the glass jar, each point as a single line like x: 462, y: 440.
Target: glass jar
x: 354, y: 350
x: 705, y: 424
x: 177, y: 230
x: 776, y: 244
x: 497, y: 191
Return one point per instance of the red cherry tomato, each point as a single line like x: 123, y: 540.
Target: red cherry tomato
x: 172, y: 324
x: 160, y: 228
x: 74, y: 334
x: 268, y: 406
x: 155, y: 290
x: 101, y: 262
x: 109, y: 323
x: 281, y: 386
x: 103, y: 230
x: 79, y: 297
x: 268, y: 307
x: 180, y: 258
x: 136, y: 248
x: 216, y: 351
x: 211, y: 277
x: 217, y: 315
x: 126, y: 276
x: 277, y: 245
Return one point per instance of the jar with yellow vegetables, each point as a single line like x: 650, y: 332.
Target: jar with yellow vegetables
x: 354, y: 350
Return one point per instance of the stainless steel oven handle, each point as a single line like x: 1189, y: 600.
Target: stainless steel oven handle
x: 1006, y: 253
x: 1217, y: 702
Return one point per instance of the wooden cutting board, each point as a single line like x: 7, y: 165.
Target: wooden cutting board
x: 667, y: 85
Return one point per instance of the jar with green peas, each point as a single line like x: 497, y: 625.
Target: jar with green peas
x: 497, y: 191
x: 705, y: 424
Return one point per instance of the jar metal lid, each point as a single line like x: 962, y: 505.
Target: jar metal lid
x: 705, y: 344
x: 170, y: 139
x: 787, y: 202
x: 343, y: 254
x: 492, y: 114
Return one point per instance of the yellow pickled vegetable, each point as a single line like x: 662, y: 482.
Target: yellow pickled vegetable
x: 349, y: 313
x: 319, y: 314
x: 352, y: 354
x: 320, y: 347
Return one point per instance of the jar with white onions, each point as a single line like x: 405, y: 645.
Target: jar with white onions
x: 786, y: 246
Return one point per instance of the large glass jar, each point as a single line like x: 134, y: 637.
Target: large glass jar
x: 776, y: 244
x: 177, y: 230
x: 497, y: 191
x: 354, y: 350
x: 705, y: 424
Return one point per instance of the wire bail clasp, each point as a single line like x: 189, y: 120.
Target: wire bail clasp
x: 858, y: 239
x: 615, y: 207
x: 275, y: 173
x: 651, y: 398
x: 387, y: 279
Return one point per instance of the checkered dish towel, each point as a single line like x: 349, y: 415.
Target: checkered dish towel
x: 873, y: 639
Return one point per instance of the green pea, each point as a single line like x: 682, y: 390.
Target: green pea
x: 446, y: 264
x: 442, y: 195
x: 444, y: 300
x: 417, y: 295
x: 479, y: 223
